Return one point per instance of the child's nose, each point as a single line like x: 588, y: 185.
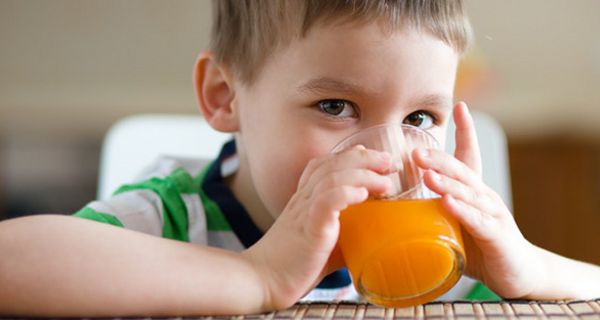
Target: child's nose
x: 382, y: 122
x: 384, y: 116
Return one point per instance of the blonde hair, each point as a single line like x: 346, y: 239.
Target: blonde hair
x: 246, y: 32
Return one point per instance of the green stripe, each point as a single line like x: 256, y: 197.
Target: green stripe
x: 482, y: 293
x: 215, y: 219
x: 91, y: 214
x: 169, y: 189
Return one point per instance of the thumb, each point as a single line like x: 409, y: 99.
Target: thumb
x: 467, y: 147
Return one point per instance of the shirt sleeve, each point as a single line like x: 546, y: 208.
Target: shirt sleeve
x: 167, y: 207
x: 91, y: 214
x: 480, y: 292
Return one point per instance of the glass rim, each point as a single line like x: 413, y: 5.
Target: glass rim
x: 420, y: 185
x: 385, y: 125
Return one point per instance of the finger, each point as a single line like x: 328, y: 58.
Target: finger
x: 446, y: 164
x: 325, y: 210
x: 443, y: 185
x: 375, y: 183
x: 467, y: 147
x: 356, y: 157
x: 316, y: 163
x: 472, y: 220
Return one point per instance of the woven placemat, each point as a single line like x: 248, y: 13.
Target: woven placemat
x: 510, y: 309
x: 589, y: 309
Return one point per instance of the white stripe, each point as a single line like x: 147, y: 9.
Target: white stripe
x: 196, y: 219
x: 460, y: 290
x: 347, y: 293
x: 225, y: 239
x: 139, y: 210
x: 166, y: 165
x: 230, y: 166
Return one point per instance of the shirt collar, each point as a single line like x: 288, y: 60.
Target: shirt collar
x: 238, y: 218
x: 215, y: 188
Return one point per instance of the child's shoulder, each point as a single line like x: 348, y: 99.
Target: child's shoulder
x: 165, y: 165
x: 163, y: 200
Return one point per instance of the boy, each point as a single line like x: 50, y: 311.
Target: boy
x: 290, y: 79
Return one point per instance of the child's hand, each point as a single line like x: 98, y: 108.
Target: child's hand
x: 497, y: 252
x: 300, y: 248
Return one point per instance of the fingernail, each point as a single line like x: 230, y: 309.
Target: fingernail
x: 388, y: 184
x: 436, y: 176
x: 452, y: 201
x: 385, y: 156
x: 423, y: 152
x: 363, y: 193
x: 465, y: 106
x: 397, y: 165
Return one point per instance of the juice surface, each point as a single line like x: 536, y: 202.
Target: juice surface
x: 401, y: 252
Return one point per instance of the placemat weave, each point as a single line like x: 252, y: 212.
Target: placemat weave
x: 510, y: 309
x: 440, y: 310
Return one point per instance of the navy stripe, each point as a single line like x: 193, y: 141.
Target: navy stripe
x: 239, y: 219
x: 216, y: 189
x: 337, y: 279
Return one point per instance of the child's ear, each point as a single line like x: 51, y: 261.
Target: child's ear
x: 215, y: 93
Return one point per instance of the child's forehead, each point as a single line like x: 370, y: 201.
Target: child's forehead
x: 356, y: 40
x: 362, y: 31
x: 353, y: 51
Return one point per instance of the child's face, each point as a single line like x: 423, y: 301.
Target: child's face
x: 330, y: 84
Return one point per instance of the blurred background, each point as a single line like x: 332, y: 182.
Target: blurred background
x: 71, y: 68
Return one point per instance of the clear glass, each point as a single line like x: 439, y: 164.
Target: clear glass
x: 402, y: 248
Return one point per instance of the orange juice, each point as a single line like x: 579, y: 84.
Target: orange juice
x: 401, y: 252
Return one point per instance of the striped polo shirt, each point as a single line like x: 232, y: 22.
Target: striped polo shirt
x: 188, y: 200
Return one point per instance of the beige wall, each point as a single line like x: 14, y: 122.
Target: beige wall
x: 546, y: 55
x: 68, y: 70
x: 74, y: 66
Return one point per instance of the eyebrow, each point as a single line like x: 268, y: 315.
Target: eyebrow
x: 326, y: 84
x: 431, y: 100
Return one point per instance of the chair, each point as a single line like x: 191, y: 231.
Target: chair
x: 134, y: 142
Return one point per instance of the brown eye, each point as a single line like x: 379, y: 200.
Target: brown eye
x: 421, y: 119
x: 337, y: 108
